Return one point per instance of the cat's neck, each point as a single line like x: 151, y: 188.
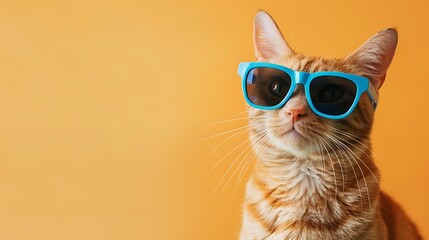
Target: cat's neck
x: 293, y: 197
x: 324, y: 176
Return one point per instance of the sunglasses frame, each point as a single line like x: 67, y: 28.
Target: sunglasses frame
x: 362, y: 85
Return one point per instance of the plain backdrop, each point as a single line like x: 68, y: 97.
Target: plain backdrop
x: 103, y: 105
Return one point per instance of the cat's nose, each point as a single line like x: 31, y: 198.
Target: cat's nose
x: 296, y: 113
x: 297, y: 107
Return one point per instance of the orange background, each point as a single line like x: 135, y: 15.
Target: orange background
x: 102, y: 104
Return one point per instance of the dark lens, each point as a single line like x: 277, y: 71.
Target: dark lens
x: 332, y: 95
x: 267, y: 86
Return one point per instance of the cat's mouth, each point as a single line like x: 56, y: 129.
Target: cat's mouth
x: 294, y: 140
x: 293, y: 134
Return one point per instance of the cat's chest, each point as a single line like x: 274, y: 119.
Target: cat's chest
x: 296, y: 191
x: 290, y: 211
x: 302, y: 180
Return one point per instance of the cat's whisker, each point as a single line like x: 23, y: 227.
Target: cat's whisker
x: 361, y: 140
x: 357, y: 147
x: 231, y: 120
x: 375, y: 178
x: 225, y: 140
x: 236, y: 169
x: 226, y: 132
x: 220, y: 160
x: 358, y: 140
x: 248, y: 158
x: 344, y: 153
x: 257, y: 146
x: 241, y: 144
x: 332, y: 165
x: 343, y: 176
x: 240, y: 113
x: 260, y: 145
x: 362, y: 151
x: 347, y: 134
x: 354, y: 157
x: 324, y: 168
x: 248, y: 161
x: 323, y: 159
x: 364, y: 179
x: 338, y: 160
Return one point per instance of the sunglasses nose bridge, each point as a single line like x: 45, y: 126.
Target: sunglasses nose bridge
x: 301, y: 77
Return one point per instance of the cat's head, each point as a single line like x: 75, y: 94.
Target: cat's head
x: 294, y: 129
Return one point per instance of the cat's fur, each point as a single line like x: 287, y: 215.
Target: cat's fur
x: 319, y: 180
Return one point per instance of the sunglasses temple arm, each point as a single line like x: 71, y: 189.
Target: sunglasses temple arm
x: 373, y: 95
x: 242, y: 67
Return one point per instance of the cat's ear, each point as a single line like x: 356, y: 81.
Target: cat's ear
x: 268, y: 40
x: 375, y: 55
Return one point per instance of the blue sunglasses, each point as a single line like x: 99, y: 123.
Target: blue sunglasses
x: 332, y: 95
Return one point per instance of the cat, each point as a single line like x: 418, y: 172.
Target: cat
x: 318, y: 180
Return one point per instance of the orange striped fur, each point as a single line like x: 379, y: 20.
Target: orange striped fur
x: 320, y: 182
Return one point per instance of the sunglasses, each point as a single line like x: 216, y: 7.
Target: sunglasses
x: 332, y: 95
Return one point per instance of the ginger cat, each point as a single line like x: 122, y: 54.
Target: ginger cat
x: 314, y: 177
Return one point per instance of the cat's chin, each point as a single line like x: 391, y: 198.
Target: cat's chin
x: 294, y: 143
x: 293, y: 136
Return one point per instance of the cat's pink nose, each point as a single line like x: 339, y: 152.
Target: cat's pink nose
x: 296, y: 113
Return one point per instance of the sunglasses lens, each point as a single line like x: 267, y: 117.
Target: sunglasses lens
x: 267, y: 86
x: 332, y: 95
